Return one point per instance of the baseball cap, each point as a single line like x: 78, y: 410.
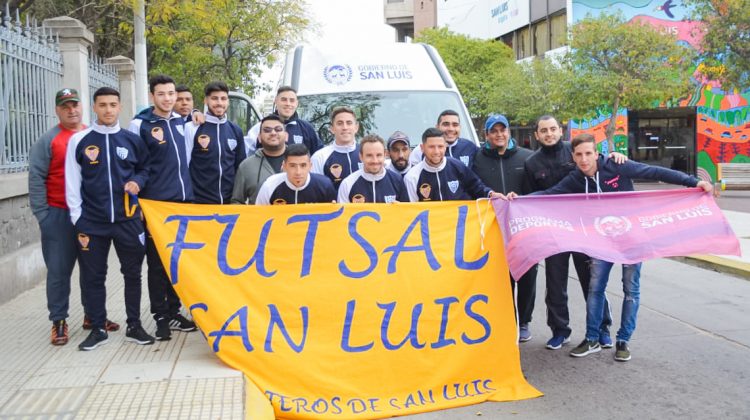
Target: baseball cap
x: 495, y: 119
x: 398, y: 136
x: 66, y: 95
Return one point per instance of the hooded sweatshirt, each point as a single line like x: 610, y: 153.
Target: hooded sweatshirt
x: 503, y: 173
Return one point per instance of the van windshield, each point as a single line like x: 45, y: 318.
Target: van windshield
x: 383, y: 113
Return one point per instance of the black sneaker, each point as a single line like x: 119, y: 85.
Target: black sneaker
x: 585, y: 348
x: 180, y: 323
x: 622, y: 352
x: 162, y: 329
x: 96, y: 338
x: 138, y: 335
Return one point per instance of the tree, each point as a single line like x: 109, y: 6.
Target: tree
x: 229, y: 40
x: 474, y: 65
x: 194, y: 42
x: 726, y: 39
x: 625, y: 64
x: 530, y: 89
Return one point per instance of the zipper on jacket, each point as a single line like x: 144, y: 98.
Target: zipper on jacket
x: 221, y: 172
x: 109, y: 176
x: 179, y: 162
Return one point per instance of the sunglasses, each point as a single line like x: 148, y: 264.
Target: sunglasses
x: 277, y: 129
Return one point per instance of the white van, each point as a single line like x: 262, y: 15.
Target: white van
x: 391, y: 86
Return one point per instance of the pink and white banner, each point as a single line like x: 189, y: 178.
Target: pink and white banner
x: 624, y: 227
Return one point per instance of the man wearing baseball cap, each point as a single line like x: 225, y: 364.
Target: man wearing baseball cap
x: 398, y: 150
x: 47, y: 201
x: 500, y: 165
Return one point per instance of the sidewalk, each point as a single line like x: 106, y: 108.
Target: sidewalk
x: 180, y: 378
x: 730, y: 264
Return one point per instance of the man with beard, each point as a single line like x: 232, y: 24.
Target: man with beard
x: 373, y: 183
x: 457, y: 147
x: 215, y: 149
x: 399, y: 151
x: 297, y: 184
x: 266, y: 161
x: 441, y: 178
x: 500, y: 165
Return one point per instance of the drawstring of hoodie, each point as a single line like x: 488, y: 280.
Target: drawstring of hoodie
x: 596, y: 180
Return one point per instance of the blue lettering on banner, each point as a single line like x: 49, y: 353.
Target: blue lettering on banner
x: 416, y: 398
x: 180, y: 245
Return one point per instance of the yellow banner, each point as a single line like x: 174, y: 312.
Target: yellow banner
x: 356, y: 311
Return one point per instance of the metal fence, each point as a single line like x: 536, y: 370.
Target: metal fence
x: 100, y: 75
x: 31, y: 72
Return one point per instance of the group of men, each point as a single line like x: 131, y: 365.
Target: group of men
x: 84, y: 185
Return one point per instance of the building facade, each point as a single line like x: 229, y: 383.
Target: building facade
x: 709, y: 127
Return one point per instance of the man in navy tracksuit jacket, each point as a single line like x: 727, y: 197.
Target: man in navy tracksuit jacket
x: 300, y: 131
x: 457, y: 147
x: 163, y: 132
x: 441, y: 178
x: 296, y: 185
x: 373, y: 183
x: 595, y: 173
x: 340, y: 158
x: 105, y: 168
x: 215, y: 149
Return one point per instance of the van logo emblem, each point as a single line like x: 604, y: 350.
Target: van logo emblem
x: 337, y: 74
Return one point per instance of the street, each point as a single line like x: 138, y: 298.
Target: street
x: 691, y: 354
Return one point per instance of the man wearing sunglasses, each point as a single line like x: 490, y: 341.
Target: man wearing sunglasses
x: 265, y: 162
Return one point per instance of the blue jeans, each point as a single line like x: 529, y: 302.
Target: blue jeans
x: 631, y: 287
x: 59, y: 252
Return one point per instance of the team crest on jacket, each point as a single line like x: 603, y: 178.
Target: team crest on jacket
x: 425, y: 190
x: 358, y: 198
x: 279, y: 201
x: 232, y: 143
x: 158, y: 134
x: 203, y: 141
x: 389, y: 198
x: 122, y: 152
x: 453, y: 186
x: 464, y: 160
x: 336, y: 170
x: 83, y: 239
x: 297, y: 139
x: 92, y: 152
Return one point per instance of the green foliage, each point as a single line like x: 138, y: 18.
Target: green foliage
x: 228, y: 40
x: 196, y: 41
x: 625, y: 64
x: 530, y: 89
x: 726, y: 40
x: 474, y: 64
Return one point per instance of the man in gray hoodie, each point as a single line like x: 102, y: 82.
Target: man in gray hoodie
x: 266, y: 161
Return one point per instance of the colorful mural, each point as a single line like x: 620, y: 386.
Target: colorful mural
x: 596, y: 126
x: 723, y: 118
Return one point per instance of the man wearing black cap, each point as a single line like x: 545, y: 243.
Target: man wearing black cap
x: 500, y: 165
x: 399, y: 150
x: 47, y: 201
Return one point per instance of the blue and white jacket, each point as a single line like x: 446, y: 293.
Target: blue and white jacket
x: 299, y: 132
x: 363, y: 187
x: 461, y: 149
x: 99, y: 161
x: 611, y: 177
x: 452, y: 180
x: 336, y: 162
x: 167, y: 161
x: 215, y: 152
x: 278, y: 190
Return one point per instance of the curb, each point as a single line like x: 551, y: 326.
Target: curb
x: 720, y: 264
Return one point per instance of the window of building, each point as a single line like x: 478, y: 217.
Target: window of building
x: 524, y: 43
x: 540, y: 38
x: 559, y: 31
